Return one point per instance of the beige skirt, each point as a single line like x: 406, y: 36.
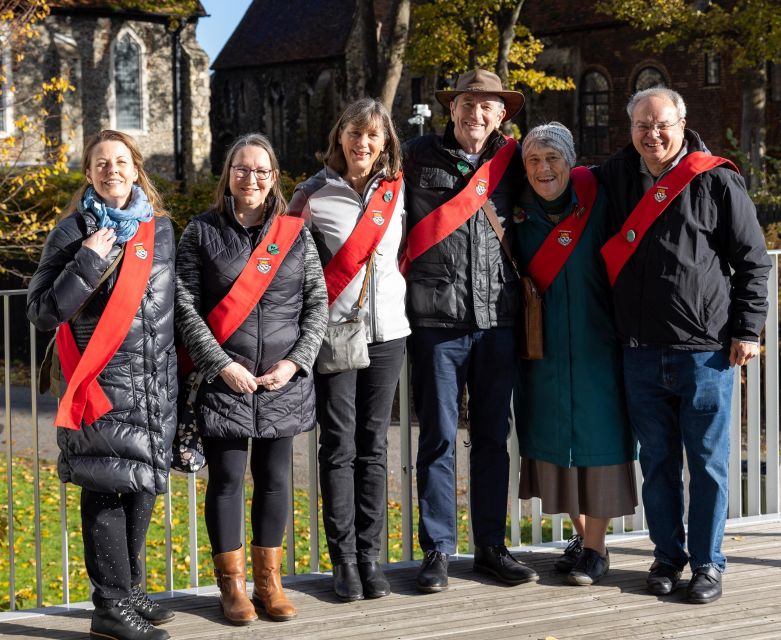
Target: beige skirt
x: 600, y: 492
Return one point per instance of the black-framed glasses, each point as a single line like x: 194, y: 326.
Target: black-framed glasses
x: 658, y: 127
x: 242, y: 172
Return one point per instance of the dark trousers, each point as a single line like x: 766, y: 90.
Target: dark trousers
x: 113, y: 527
x: 443, y: 361
x: 270, y: 467
x: 354, y: 410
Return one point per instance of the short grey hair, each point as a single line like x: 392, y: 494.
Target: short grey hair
x: 653, y: 92
x: 554, y: 135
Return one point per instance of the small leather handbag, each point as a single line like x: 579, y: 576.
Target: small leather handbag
x: 344, y: 345
x: 531, y: 331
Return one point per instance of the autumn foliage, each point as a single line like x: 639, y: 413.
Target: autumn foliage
x: 29, y: 158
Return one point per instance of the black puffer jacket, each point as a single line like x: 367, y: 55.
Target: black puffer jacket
x: 465, y: 281
x: 128, y: 450
x: 676, y: 290
x: 287, y: 323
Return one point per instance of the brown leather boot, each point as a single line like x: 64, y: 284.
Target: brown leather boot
x: 268, y: 593
x: 231, y: 573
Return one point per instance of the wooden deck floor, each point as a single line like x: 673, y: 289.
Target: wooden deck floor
x: 475, y: 607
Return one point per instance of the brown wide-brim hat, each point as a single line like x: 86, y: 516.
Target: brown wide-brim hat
x: 482, y: 81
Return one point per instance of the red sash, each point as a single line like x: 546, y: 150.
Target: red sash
x: 447, y: 217
x: 364, y: 239
x: 84, y: 399
x: 251, y: 284
x: 562, y: 240
x: 621, y: 246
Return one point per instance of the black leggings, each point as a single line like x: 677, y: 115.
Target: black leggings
x: 270, y: 468
x: 113, y: 527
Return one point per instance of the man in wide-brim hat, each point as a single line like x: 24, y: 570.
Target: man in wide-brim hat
x: 463, y: 299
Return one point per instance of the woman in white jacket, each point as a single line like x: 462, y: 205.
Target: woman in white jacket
x: 354, y: 208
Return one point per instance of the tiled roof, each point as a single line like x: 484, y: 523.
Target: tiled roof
x: 275, y: 31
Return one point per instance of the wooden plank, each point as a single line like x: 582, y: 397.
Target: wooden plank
x: 478, y: 608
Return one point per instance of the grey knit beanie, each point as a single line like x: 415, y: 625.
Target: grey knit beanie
x: 553, y: 134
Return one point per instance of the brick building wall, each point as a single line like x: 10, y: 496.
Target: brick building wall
x: 579, y: 41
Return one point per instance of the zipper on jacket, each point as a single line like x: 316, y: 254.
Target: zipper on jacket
x: 373, y: 298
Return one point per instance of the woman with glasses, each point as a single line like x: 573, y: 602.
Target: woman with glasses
x: 354, y: 207
x: 250, y: 311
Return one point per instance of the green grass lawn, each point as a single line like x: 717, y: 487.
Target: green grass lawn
x: 51, y: 539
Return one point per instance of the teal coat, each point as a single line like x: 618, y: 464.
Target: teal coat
x: 569, y: 406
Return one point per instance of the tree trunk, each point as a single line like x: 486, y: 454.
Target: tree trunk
x: 505, y: 21
x: 395, y: 48
x: 753, y: 129
x: 369, y: 34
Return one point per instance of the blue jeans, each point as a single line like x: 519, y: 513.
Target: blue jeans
x: 677, y: 400
x: 443, y: 361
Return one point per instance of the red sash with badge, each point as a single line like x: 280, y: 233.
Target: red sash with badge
x: 364, y: 239
x: 447, y: 217
x: 249, y: 287
x: 84, y: 399
x: 622, y: 246
x: 562, y: 240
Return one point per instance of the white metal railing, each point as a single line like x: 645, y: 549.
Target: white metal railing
x: 748, y: 454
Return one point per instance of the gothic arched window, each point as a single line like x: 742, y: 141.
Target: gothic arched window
x: 127, y: 83
x: 649, y: 77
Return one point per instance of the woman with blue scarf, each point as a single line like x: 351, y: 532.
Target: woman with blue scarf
x: 106, y: 283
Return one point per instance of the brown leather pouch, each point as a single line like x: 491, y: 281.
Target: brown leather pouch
x: 531, y: 329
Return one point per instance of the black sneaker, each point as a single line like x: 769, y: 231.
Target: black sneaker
x: 123, y: 623
x: 567, y: 560
x: 432, y: 575
x: 148, y: 609
x: 590, y: 568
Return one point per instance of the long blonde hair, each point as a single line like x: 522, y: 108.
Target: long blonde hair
x: 152, y: 194
x: 223, y: 186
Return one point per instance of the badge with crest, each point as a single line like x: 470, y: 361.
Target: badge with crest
x: 264, y: 265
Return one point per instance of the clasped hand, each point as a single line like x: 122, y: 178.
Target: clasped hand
x: 240, y: 380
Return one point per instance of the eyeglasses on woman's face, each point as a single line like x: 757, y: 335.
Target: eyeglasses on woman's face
x: 242, y: 173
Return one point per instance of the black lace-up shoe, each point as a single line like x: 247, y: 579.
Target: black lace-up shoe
x: 704, y: 586
x: 148, y: 609
x: 122, y: 623
x: 432, y: 576
x: 663, y: 578
x: 590, y: 568
x: 567, y: 560
x: 347, y: 582
x: 497, y: 561
x: 375, y: 584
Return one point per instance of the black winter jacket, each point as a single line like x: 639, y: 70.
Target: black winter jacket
x: 128, y: 450
x: 465, y: 281
x: 214, y: 249
x: 677, y: 290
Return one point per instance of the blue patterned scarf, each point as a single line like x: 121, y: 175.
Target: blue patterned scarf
x: 125, y: 221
